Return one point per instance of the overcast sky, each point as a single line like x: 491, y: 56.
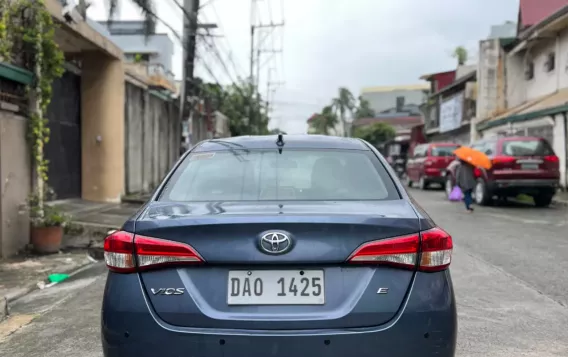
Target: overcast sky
x: 331, y: 43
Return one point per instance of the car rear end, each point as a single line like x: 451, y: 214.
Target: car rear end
x: 318, y: 272
x: 439, y: 156
x: 525, y: 165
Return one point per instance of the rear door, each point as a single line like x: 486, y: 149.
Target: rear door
x: 439, y: 157
x: 275, y: 232
x: 418, y: 161
x: 526, y: 159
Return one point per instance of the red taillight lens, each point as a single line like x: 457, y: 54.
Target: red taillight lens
x: 153, y: 252
x: 503, y: 160
x: 119, y: 252
x: 399, y: 251
x: 125, y: 252
x: 435, y: 246
x: 477, y: 172
x: 552, y: 158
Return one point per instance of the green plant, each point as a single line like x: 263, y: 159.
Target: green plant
x: 47, y: 59
x: 46, y: 215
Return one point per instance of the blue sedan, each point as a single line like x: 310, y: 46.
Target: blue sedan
x: 279, y: 246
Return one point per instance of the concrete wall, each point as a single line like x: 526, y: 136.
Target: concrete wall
x: 152, y: 138
x: 15, y: 177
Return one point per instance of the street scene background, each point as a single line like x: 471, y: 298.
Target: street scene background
x: 99, y: 99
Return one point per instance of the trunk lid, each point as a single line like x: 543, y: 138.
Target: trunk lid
x: 323, y: 235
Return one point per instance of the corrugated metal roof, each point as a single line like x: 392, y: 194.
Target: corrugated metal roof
x: 534, y: 11
x: 421, y: 86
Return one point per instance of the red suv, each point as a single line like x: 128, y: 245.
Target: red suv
x: 521, y: 164
x: 428, y: 163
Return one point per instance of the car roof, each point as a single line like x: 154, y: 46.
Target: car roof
x: 290, y: 141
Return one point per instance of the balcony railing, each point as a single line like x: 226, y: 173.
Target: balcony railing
x: 156, y: 73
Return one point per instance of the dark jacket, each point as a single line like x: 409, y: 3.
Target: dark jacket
x: 465, y: 178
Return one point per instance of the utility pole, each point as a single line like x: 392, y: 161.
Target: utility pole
x: 254, y: 80
x: 190, y: 27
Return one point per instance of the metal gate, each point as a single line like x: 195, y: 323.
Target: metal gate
x: 64, y: 148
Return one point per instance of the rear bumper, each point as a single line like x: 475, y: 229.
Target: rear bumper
x: 425, y: 326
x: 523, y: 185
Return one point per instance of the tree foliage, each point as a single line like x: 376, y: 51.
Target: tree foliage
x: 343, y: 105
x: 376, y: 134
x: 460, y: 53
x: 324, y: 123
x: 364, y: 109
x: 241, y: 103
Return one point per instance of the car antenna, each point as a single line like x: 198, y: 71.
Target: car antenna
x: 280, y: 143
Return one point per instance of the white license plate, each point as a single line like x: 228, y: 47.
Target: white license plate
x: 529, y: 166
x: 275, y: 287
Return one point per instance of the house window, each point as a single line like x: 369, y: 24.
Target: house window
x: 529, y: 70
x: 550, y: 62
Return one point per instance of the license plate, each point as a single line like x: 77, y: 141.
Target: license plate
x: 276, y: 287
x: 529, y: 166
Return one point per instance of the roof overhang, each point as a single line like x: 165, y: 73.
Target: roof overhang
x: 78, y: 36
x: 547, y: 28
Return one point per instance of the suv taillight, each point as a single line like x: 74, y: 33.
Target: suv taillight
x: 503, y: 160
x: 552, y: 158
x: 431, y: 250
x: 125, y: 252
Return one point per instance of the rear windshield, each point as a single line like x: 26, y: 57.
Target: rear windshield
x: 526, y: 148
x: 443, y: 150
x: 260, y: 175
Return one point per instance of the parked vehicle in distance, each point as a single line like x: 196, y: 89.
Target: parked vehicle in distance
x: 521, y: 165
x: 300, y: 246
x: 428, y: 162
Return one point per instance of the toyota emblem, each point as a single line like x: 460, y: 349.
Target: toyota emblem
x: 275, y: 243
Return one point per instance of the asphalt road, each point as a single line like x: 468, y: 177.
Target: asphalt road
x: 509, y: 269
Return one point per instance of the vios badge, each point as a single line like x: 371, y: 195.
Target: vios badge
x: 275, y: 243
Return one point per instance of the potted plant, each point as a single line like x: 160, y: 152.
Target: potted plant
x: 47, y: 224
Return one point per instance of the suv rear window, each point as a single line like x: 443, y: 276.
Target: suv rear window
x: 526, y: 148
x: 265, y: 175
x: 443, y: 150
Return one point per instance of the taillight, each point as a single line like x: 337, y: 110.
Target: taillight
x: 552, y: 159
x: 125, y: 253
x: 503, y: 160
x: 477, y: 172
x: 433, y: 247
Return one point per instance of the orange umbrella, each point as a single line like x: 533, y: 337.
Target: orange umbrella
x: 474, y: 157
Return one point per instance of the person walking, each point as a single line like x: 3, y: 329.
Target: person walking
x: 465, y: 179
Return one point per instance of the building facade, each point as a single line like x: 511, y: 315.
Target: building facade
x: 395, y: 98
x: 149, y: 56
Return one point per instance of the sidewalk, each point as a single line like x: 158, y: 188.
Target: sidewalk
x: 561, y: 199
x: 24, y: 273
x: 92, y: 221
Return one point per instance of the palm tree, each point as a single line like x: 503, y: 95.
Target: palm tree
x: 325, y: 121
x: 345, y: 102
x: 148, y: 9
x: 461, y: 54
x: 364, y: 109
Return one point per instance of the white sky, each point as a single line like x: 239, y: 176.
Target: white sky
x: 332, y: 43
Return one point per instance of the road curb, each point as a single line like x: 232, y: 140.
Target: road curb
x: 562, y: 203
x: 27, y: 289
x: 3, y: 308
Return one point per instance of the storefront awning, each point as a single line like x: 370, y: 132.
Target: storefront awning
x: 541, y: 107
